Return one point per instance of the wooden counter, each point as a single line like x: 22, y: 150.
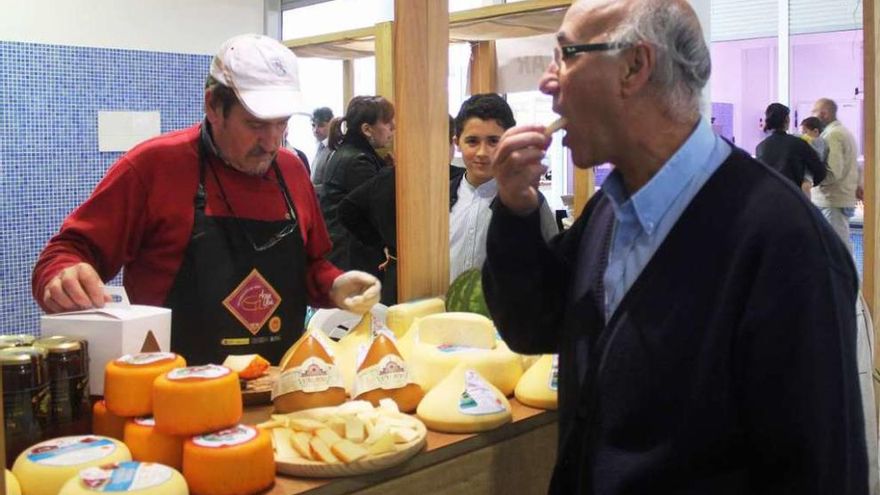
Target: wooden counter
x: 516, y: 458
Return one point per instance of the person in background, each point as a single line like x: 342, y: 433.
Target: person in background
x: 836, y: 195
x: 454, y: 171
x: 811, y: 132
x: 480, y: 122
x: 787, y: 154
x: 701, y: 308
x: 299, y: 154
x: 217, y: 222
x: 321, y: 118
x: 369, y: 126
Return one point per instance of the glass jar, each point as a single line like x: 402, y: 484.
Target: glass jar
x: 26, y: 398
x: 7, y: 341
x: 68, y: 364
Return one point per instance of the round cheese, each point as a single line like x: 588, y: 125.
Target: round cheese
x: 401, y: 316
x: 539, y: 385
x: 311, y: 379
x: 145, y: 478
x: 384, y: 374
x: 196, y: 400
x: 106, y: 423
x: 12, y: 486
x: 44, y: 468
x: 235, y: 461
x: 128, y: 381
x: 464, y: 402
x: 431, y: 363
x: 150, y: 445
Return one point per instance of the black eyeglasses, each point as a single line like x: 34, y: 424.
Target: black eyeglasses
x: 561, y: 53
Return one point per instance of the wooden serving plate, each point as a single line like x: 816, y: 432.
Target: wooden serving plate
x: 259, y: 390
x: 316, y: 469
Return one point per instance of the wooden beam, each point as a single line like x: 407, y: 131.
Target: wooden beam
x: 584, y: 183
x: 871, y: 25
x: 483, y: 69
x: 352, y: 34
x: 492, y: 11
x: 347, y: 81
x: 385, y: 60
x: 421, y: 148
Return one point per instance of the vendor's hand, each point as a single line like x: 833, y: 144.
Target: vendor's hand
x: 76, y: 287
x: 356, y: 291
x: 517, y: 167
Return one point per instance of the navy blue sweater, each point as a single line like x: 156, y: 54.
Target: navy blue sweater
x: 729, y: 366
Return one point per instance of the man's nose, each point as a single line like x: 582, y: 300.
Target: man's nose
x: 549, y: 83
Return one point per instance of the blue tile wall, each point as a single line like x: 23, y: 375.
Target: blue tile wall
x: 49, y: 161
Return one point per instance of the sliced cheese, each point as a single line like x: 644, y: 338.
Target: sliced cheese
x: 457, y: 330
x: 44, y: 468
x: 464, y: 402
x: 128, y: 381
x: 400, y: 317
x: 248, y: 366
x: 346, y: 451
x: 105, y: 423
x: 196, y: 400
x: 235, y: 461
x: 320, y: 450
x: 282, y: 442
x: 150, y: 445
x: 127, y: 477
x: 539, y: 385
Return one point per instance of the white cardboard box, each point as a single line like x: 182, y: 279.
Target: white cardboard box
x: 112, y: 331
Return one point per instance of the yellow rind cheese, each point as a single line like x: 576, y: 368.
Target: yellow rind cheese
x: 430, y: 364
x: 150, y: 445
x: 400, y: 317
x: 140, y: 478
x: 464, y: 402
x: 12, y: 486
x: 534, y: 388
x: 236, y: 461
x: 42, y: 469
x: 196, y: 400
x: 106, y: 423
x: 464, y: 329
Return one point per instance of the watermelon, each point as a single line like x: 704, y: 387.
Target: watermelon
x: 466, y: 294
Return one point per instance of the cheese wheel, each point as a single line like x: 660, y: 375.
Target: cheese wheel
x: 384, y: 373
x: 106, y: 423
x: 501, y: 366
x: 196, y: 400
x: 310, y: 380
x: 150, y: 445
x: 144, y: 478
x: 538, y: 386
x: 128, y: 381
x: 12, y: 486
x: 464, y: 402
x: 461, y: 329
x: 42, y: 469
x: 400, y: 317
x: 235, y: 461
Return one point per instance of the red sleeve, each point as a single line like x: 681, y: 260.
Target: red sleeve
x: 104, y: 231
x: 320, y: 273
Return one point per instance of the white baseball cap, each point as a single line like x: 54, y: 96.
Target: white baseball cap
x: 263, y: 73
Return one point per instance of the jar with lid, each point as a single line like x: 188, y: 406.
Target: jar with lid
x: 68, y: 364
x: 18, y: 340
x: 26, y: 398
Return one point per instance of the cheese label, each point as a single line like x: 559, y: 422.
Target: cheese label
x: 554, y: 374
x: 478, y: 398
x: 145, y: 421
x: 388, y: 374
x: 125, y: 477
x: 144, y: 358
x: 206, y: 372
x: 313, y: 375
x: 229, y: 437
x: 71, y: 451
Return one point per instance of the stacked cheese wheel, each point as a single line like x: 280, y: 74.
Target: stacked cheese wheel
x: 142, y: 478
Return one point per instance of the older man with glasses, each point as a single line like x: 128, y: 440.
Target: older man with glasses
x: 217, y: 222
x: 701, y: 308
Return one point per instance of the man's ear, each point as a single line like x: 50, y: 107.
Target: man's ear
x: 640, y: 61
x: 211, y: 112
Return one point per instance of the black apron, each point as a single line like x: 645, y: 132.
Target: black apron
x: 241, y: 288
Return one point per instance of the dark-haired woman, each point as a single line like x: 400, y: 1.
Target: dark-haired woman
x: 789, y: 155
x: 368, y: 125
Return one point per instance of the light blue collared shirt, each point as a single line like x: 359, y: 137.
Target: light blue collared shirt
x: 643, y: 220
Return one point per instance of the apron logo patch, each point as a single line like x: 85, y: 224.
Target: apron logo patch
x: 253, y: 302
x: 275, y: 324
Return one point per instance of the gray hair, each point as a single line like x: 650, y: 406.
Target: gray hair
x: 683, y: 63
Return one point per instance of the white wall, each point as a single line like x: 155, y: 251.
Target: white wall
x: 177, y: 26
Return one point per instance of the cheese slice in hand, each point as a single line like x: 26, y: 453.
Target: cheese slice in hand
x: 464, y: 402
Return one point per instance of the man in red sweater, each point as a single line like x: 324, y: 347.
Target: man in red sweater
x: 218, y: 222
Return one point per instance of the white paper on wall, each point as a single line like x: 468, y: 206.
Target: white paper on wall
x: 521, y: 61
x: 120, y: 131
